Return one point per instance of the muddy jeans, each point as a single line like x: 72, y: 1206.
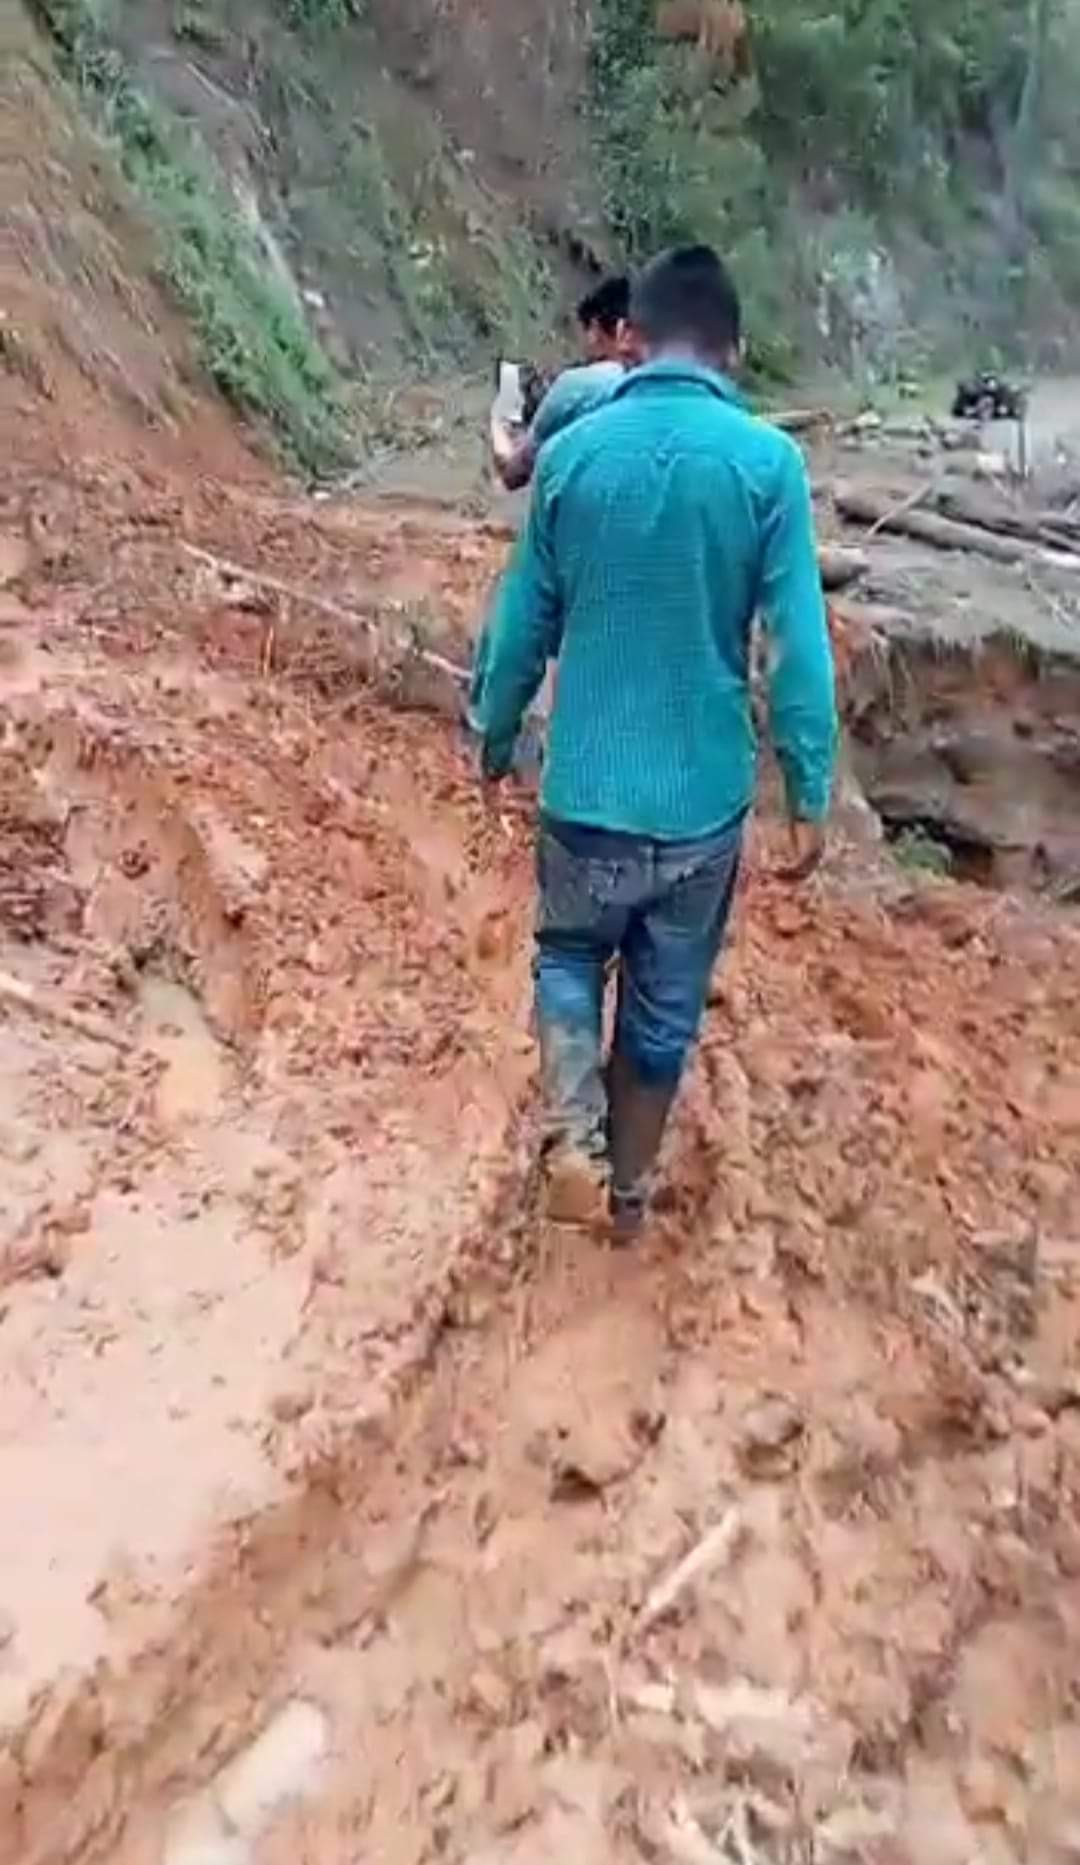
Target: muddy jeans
x: 662, y: 909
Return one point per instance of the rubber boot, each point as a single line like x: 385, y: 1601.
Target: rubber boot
x: 637, y: 1116
x: 573, y: 1146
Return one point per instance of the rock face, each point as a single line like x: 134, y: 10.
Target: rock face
x: 980, y: 751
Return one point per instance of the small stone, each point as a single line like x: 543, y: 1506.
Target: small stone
x: 984, y: 1793
x: 440, y: 1792
x: 847, y: 1833
x: 198, y: 1834
x: 769, y: 1436
x: 14, y: 557
x: 71, y: 1220
x: 287, y: 1407
x: 278, y: 1767
x: 1031, y: 1420
x: 490, y: 1694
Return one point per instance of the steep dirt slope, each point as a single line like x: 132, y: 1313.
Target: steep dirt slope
x: 421, y: 169
x: 91, y: 358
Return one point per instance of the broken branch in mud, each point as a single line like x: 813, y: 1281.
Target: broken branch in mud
x: 258, y: 580
x: 715, y: 1549
x: 905, y: 505
x: 14, y: 991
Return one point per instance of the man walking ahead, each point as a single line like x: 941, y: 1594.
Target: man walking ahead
x: 609, y: 351
x: 602, y: 320
x: 659, y: 526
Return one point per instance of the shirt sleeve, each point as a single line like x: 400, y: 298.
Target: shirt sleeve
x: 802, y: 696
x: 554, y: 411
x: 524, y: 635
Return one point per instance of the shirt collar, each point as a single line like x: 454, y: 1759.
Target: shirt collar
x: 680, y: 372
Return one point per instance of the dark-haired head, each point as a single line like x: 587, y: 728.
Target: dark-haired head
x: 602, y: 314
x: 686, y: 301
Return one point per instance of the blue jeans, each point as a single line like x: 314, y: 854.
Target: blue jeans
x: 662, y: 909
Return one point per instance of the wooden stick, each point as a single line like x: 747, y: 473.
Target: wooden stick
x: 14, y: 991
x: 713, y: 1550
x: 898, y: 511
x: 258, y: 580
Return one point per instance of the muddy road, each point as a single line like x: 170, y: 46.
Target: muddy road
x: 350, y: 1506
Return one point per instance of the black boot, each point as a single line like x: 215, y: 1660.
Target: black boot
x: 637, y: 1116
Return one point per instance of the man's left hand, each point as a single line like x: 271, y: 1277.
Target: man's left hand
x: 806, y: 848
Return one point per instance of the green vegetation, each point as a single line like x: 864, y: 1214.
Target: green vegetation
x: 920, y: 852
x: 896, y: 181
x: 252, y: 333
x: 193, y: 21
x: 896, y: 185
x: 389, y: 214
x: 319, y: 13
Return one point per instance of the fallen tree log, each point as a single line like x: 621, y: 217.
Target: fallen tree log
x: 1042, y: 528
x: 800, y: 420
x: 841, y: 564
x: 875, y: 509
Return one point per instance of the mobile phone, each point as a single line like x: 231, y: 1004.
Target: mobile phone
x: 509, y: 403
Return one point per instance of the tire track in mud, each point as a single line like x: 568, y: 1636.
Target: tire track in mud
x: 347, y: 1172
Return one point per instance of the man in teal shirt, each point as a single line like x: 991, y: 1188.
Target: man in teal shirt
x: 660, y: 525
x: 609, y: 351
x: 602, y: 318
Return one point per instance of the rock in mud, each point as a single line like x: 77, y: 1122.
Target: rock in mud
x: 849, y: 1836
x: 770, y: 1730
x: 198, y: 1835
x: 280, y: 1766
x: 14, y: 557
x: 770, y: 1437
x: 591, y: 1454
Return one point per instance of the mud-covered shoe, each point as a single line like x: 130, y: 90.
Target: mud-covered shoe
x: 627, y: 1212
x: 637, y: 1117
x: 575, y: 1188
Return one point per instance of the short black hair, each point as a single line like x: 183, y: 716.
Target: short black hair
x: 687, y: 295
x: 608, y: 305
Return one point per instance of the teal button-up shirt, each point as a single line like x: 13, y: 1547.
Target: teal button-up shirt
x: 659, y: 526
x: 575, y: 392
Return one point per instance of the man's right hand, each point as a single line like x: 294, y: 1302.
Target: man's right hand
x: 806, y: 846
x: 504, y: 441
